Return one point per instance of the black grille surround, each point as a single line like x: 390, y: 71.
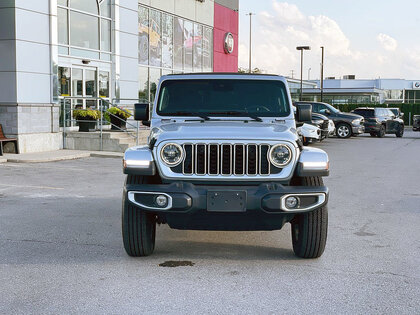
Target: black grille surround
x: 225, y: 159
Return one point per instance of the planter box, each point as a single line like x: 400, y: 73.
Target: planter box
x: 86, y: 126
x: 115, y: 122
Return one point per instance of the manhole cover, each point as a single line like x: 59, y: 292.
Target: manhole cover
x: 173, y: 263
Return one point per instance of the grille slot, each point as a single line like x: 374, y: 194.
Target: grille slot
x: 226, y: 159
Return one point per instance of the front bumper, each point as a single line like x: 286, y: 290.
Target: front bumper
x: 238, y: 208
x: 358, y: 129
x: 372, y: 127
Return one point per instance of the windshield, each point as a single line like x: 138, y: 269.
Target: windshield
x: 332, y: 108
x: 365, y: 112
x: 223, y: 97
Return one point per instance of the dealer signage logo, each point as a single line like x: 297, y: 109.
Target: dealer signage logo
x: 229, y: 43
x: 416, y: 85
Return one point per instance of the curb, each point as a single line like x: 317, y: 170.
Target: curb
x: 49, y: 159
x: 3, y: 160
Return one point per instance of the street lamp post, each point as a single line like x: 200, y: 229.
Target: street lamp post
x: 301, y: 48
x: 309, y: 73
x: 250, y: 38
x: 322, y: 73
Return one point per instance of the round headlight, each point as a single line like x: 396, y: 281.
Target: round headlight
x: 171, y: 154
x: 280, y: 155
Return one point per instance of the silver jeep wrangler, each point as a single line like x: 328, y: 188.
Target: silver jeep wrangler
x: 223, y: 154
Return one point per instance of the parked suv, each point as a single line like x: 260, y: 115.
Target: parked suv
x: 346, y: 124
x: 416, y: 123
x: 223, y: 154
x: 381, y: 121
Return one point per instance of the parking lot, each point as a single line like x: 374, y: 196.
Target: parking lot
x: 61, y: 248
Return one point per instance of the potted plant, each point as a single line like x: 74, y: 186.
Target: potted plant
x: 117, y: 117
x: 86, y: 118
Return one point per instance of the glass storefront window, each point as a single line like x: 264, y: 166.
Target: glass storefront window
x: 154, y: 76
x: 64, y: 78
x: 105, y: 35
x: 79, y: 24
x: 198, y: 48
x: 178, y: 43
x: 105, y: 7
x: 90, y: 6
x: 155, y: 40
x: 143, y: 35
x: 62, y: 2
x: 167, y: 45
x: 188, y: 46
x: 207, y: 49
x: 62, y: 18
x: 143, y: 84
x: 103, y: 84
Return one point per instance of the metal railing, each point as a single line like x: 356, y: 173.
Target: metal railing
x: 71, y: 103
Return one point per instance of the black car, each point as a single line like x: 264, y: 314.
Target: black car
x: 397, y: 112
x: 380, y: 121
x: 416, y: 123
x: 322, y: 123
x: 346, y: 124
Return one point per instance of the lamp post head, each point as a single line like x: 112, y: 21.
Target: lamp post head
x: 303, y: 48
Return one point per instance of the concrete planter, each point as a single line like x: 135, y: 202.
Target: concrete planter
x: 86, y: 126
x: 117, y: 124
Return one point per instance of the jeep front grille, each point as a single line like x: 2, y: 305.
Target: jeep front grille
x: 226, y: 159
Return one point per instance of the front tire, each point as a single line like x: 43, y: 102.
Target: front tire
x: 381, y: 132
x: 309, y: 230
x: 138, y: 226
x: 400, y: 131
x: 343, y: 131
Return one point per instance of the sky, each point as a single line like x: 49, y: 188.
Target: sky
x: 368, y: 38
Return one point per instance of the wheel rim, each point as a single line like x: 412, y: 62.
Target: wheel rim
x: 343, y: 131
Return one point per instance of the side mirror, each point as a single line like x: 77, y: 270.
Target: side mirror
x: 141, y: 112
x: 304, y: 112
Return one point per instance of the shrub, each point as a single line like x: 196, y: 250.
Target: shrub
x: 124, y: 114
x: 86, y: 114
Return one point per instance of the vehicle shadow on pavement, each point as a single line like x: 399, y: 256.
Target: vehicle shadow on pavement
x: 209, y: 250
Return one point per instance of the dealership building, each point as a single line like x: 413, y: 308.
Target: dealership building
x: 355, y: 91
x: 87, y: 50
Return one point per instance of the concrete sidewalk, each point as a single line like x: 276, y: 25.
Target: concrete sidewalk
x: 59, y: 155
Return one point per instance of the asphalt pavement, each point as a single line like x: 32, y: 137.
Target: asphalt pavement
x: 61, y: 248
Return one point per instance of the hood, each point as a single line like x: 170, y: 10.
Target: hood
x: 349, y: 116
x: 224, y: 130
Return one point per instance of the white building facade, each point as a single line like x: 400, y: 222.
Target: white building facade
x: 86, y: 50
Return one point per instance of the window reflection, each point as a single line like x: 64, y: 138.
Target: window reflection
x: 154, y: 77
x: 79, y: 23
x: 167, y: 44
x: 207, y: 49
x: 178, y: 43
x: 64, y: 81
x: 155, y: 42
x: 105, y: 7
x: 188, y: 46
x: 90, y: 6
x: 103, y: 84
x: 62, y: 26
x: 143, y: 36
x: 198, y: 48
x: 105, y: 35
x: 143, y: 84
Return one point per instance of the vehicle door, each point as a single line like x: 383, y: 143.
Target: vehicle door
x: 392, y: 123
x: 379, y: 114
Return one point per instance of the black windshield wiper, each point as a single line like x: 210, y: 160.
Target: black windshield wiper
x: 237, y: 113
x: 202, y: 116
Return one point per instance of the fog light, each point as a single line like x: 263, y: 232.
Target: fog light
x: 292, y: 202
x: 161, y: 201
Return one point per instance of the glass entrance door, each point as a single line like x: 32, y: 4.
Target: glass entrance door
x: 84, y: 84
